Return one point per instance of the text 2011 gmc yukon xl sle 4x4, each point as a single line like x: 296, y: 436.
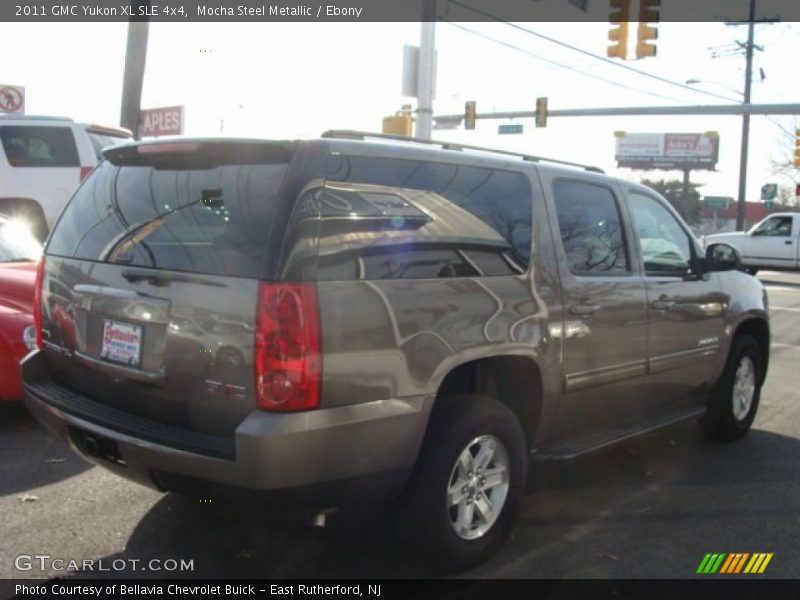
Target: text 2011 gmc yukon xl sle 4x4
x: 395, y: 318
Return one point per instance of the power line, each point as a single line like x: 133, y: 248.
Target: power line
x: 591, y: 54
x: 557, y: 64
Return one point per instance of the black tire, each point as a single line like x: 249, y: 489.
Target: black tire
x: 426, y: 514
x: 721, y: 422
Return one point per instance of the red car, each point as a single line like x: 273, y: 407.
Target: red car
x: 19, y: 256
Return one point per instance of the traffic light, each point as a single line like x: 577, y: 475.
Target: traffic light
x: 646, y: 32
x: 541, y: 112
x: 797, y: 149
x: 619, y: 17
x: 398, y: 124
x: 470, y: 114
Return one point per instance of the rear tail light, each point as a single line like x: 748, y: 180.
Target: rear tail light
x: 288, y: 364
x: 85, y: 172
x: 37, y: 303
x: 168, y: 148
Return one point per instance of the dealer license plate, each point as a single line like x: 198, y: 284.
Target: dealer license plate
x: 122, y: 343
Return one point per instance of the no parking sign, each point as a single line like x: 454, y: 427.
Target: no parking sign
x: 12, y: 99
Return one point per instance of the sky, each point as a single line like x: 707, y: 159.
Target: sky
x: 284, y: 81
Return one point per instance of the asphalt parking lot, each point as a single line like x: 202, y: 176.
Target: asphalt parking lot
x: 651, y: 508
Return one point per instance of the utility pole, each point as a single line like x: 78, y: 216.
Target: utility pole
x: 425, y: 74
x: 748, y: 76
x: 135, y: 58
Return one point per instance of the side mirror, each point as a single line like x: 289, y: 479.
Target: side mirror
x: 722, y: 257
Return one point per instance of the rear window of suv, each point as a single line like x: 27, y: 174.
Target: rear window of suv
x: 33, y: 146
x: 390, y: 218
x: 213, y: 220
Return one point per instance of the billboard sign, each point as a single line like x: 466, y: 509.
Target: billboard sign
x: 167, y: 120
x: 667, y: 151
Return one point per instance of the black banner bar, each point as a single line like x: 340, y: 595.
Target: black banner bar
x: 703, y: 587
x: 178, y: 11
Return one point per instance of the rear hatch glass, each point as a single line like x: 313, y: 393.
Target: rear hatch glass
x: 152, y: 274
x: 188, y: 212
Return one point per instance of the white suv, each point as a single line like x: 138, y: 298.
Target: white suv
x: 42, y: 161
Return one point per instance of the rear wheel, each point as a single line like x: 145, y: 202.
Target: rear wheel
x: 733, y: 404
x: 465, y: 493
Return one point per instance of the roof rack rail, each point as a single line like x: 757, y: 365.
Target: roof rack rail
x: 10, y: 116
x: 348, y: 134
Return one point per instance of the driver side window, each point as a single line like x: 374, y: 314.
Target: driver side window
x: 775, y: 226
x: 664, y: 244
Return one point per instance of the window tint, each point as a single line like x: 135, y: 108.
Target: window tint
x: 30, y: 146
x: 775, y: 226
x: 213, y: 220
x: 664, y: 244
x: 591, y: 229
x: 400, y: 219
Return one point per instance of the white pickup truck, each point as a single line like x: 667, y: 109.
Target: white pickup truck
x: 771, y: 244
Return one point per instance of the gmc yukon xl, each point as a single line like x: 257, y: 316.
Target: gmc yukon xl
x: 360, y: 315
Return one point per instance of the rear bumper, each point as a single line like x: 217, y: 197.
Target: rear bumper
x: 367, y: 449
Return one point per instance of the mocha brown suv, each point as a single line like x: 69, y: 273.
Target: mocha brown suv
x: 357, y: 315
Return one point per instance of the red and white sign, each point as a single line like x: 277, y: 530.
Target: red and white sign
x: 667, y: 150
x: 167, y: 120
x: 12, y: 99
x: 122, y: 342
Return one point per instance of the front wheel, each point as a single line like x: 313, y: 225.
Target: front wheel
x: 734, y: 401
x: 464, y: 495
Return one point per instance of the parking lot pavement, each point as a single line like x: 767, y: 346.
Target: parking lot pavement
x: 651, y: 508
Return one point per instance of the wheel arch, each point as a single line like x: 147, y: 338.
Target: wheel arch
x: 758, y: 329
x: 513, y: 380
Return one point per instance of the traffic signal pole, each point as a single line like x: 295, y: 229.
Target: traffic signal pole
x: 135, y: 58
x: 425, y: 74
x: 639, y: 111
x: 748, y: 76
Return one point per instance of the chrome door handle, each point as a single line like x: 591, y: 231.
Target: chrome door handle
x: 583, y: 310
x: 663, y: 304
x: 788, y: 242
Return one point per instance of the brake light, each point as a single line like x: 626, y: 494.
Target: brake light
x: 288, y: 363
x: 85, y: 172
x: 37, y: 303
x: 168, y: 148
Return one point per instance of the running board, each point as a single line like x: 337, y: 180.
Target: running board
x: 584, y: 445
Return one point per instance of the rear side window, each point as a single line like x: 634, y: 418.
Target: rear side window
x: 591, y: 229
x: 31, y: 146
x: 384, y: 218
x: 210, y: 220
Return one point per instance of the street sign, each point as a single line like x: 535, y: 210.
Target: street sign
x: 717, y: 202
x: 511, y: 128
x: 166, y: 120
x: 12, y: 99
x: 769, y: 191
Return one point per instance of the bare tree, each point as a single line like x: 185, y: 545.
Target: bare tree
x: 783, y: 165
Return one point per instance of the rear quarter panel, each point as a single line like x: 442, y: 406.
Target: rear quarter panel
x: 385, y: 339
